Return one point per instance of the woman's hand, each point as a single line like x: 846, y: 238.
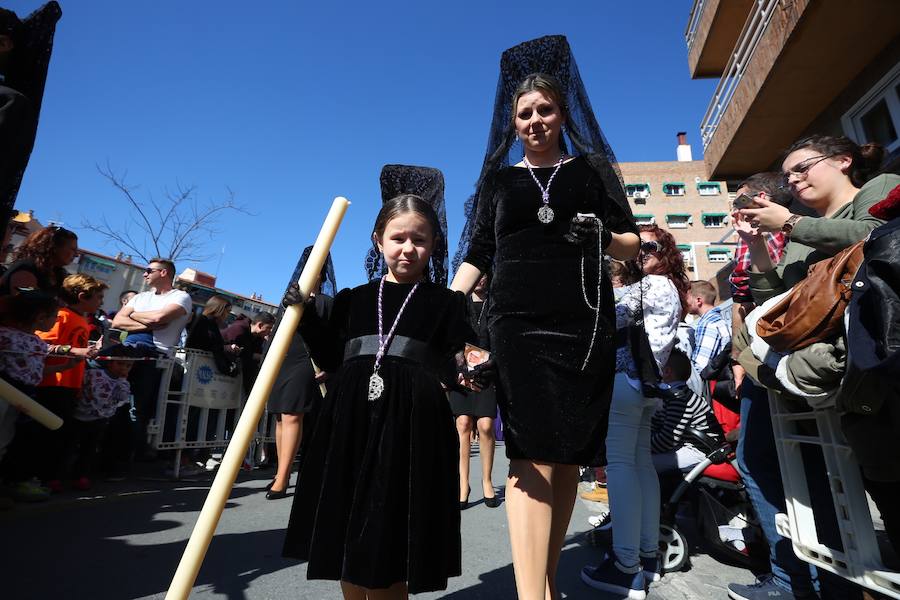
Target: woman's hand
x: 768, y: 217
x: 583, y: 232
x: 744, y: 229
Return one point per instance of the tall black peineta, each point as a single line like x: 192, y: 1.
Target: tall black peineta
x: 427, y: 183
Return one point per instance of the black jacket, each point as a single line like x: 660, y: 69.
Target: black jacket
x: 870, y: 392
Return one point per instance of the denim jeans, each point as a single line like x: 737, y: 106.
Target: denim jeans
x: 631, y: 477
x: 758, y: 463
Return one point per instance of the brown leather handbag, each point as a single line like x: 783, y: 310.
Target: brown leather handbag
x: 813, y: 311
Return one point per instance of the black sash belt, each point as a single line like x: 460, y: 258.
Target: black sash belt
x: 400, y: 346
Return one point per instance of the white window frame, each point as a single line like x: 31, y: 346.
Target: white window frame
x: 709, y: 189
x: 885, y: 89
x: 680, y: 190
x: 643, y: 188
x: 688, y: 257
x: 650, y: 221
x: 719, y: 225
x: 673, y: 224
x: 718, y: 256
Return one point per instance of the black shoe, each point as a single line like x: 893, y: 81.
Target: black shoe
x: 492, y: 502
x: 269, y: 485
x: 464, y: 504
x: 273, y: 495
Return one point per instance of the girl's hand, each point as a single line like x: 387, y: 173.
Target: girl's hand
x: 321, y: 377
x: 769, y: 217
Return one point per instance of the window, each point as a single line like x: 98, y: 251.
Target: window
x: 644, y: 219
x: 708, y: 188
x: 638, y: 191
x: 718, y: 255
x: 713, y: 220
x: 687, y: 255
x: 679, y: 220
x: 876, y: 117
x: 673, y: 188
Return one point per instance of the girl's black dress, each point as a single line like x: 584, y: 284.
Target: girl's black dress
x: 483, y: 403
x: 540, y: 325
x: 376, y: 500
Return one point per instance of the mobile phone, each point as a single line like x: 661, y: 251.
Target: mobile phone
x: 475, y: 356
x: 744, y: 201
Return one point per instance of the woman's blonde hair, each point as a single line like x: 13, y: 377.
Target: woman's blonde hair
x: 217, y: 307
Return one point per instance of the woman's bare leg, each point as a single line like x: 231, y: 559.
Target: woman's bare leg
x: 352, y: 592
x: 398, y: 591
x: 565, y: 486
x: 529, y: 512
x: 486, y: 450
x: 464, y: 429
x: 291, y: 436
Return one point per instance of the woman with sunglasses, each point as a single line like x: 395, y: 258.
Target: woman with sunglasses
x: 833, y: 177
x: 40, y: 261
x: 633, y: 485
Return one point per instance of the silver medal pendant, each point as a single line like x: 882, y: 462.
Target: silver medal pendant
x: 376, y: 387
x: 545, y: 214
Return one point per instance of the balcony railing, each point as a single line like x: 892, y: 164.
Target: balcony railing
x: 753, y: 31
x: 693, y: 21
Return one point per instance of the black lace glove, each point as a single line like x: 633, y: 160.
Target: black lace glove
x: 292, y: 296
x: 583, y: 232
x: 484, y: 374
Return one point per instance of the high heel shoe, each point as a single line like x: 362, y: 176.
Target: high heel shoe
x: 464, y: 504
x: 276, y: 494
x: 492, y: 501
x: 269, y: 485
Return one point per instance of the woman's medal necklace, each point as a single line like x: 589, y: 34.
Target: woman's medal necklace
x: 545, y: 213
x: 376, y: 382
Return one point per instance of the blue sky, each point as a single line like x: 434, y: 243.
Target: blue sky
x: 289, y: 104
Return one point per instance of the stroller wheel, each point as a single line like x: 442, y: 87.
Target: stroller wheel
x: 673, y: 548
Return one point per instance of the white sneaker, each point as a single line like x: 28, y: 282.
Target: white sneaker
x: 603, y: 521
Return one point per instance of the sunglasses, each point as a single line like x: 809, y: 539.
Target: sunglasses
x: 801, y: 169
x: 650, y: 247
x: 149, y: 270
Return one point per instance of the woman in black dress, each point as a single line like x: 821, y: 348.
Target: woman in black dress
x: 205, y: 333
x: 476, y: 409
x: 551, y: 318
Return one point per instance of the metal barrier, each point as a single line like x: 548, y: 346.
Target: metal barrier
x: 860, y: 560
x: 199, y: 410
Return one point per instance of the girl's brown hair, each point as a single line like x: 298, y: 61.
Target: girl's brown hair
x: 40, y: 246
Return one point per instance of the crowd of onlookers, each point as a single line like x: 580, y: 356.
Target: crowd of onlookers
x: 98, y: 371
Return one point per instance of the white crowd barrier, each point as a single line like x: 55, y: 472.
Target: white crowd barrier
x: 859, y: 560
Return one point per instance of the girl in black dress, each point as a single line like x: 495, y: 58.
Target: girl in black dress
x: 551, y: 317
x: 476, y: 410
x: 376, y: 504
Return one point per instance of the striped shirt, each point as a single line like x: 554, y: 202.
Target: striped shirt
x: 681, y: 409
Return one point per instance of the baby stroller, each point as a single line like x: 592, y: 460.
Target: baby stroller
x: 713, y: 493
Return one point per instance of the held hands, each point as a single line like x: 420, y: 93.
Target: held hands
x: 583, y: 232
x: 768, y: 217
x: 477, y: 378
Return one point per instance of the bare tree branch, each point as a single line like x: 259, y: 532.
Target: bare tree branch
x: 177, y: 229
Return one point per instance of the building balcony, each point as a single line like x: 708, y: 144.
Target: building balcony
x: 791, y: 60
x: 712, y: 32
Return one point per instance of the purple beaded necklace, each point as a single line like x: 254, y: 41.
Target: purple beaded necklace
x: 376, y: 382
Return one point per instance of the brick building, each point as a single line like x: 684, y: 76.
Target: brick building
x: 677, y: 196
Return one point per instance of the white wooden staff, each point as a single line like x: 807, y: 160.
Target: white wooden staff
x: 212, y: 509
x: 28, y: 406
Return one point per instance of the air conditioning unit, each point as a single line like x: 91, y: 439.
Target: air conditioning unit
x: 642, y: 194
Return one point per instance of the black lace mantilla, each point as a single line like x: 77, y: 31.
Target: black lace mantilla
x: 27, y: 75
x: 553, y: 56
x: 429, y: 184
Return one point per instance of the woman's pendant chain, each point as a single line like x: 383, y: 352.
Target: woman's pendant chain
x: 545, y: 213
x: 593, y: 307
x: 376, y: 382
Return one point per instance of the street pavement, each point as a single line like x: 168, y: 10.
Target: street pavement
x: 124, y: 540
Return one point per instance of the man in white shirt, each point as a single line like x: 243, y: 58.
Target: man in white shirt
x: 162, y: 311
x: 158, y: 315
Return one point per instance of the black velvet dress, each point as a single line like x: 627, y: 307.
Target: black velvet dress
x: 483, y: 403
x: 540, y: 325
x: 376, y: 500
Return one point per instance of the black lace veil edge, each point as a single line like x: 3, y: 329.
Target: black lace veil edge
x: 329, y: 282
x: 28, y: 75
x: 428, y: 183
x: 582, y: 136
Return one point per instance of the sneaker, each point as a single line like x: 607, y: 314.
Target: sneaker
x: 764, y: 589
x: 601, y: 522
x: 650, y: 565
x: 30, y: 491
x: 610, y: 577
x: 597, y: 494
x: 82, y: 483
